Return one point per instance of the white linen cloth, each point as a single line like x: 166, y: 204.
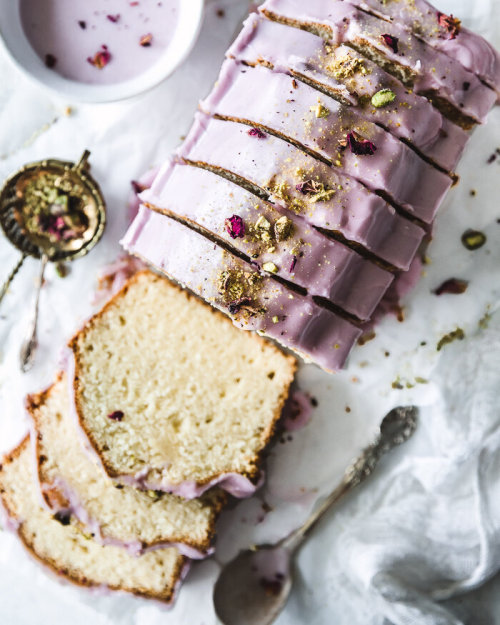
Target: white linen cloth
x: 425, y: 528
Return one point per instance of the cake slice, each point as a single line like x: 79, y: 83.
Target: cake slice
x: 353, y: 79
x: 169, y: 393
x: 269, y: 236
x: 73, y: 484
x: 443, y: 32
x: 333, y: 132
x: 456, y: 91
x: 324, y: 197
x: 63, y: 545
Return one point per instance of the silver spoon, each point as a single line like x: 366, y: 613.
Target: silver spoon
x: 253, y: 588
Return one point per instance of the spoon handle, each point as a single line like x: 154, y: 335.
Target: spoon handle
x: 397, y: 427
x: 28, y: 348
x: 10, y: 277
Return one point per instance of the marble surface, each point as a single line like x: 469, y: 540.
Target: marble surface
x: 125, y: 139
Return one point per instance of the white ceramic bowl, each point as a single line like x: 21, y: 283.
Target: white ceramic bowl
x: 19, y: 48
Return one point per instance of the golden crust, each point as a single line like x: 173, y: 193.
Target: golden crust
x: 66, y: 573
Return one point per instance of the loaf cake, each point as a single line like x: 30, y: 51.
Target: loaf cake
x: 363, y: 112
x: 65, y: 547
x: 73, y: 484
x: 170, y: 395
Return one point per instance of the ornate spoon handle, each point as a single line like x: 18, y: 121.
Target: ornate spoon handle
x: 11, y: 276
x: 28, y: 348
x: 396, y: 428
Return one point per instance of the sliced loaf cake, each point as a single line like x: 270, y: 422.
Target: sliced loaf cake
x: 170, y: 394
x: 64, y: 546
x: 456, y: 91
x: 73, y: 483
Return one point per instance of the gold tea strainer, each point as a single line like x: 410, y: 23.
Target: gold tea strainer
x: 52, y: 210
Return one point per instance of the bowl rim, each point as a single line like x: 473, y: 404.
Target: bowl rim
x: 19, y: 49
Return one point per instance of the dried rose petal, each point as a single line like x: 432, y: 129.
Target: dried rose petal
x: 294, y: 262
x: 63, y: 517
x: 50, y: 61
x: 449, y: 23
x: 360, y: 146
x: 82, y: 24
x: 256, y: 132
x: 391, y: 42
x: 234, y: 307
x: 308, y: 187
x: 113, y: 18
x: 235, y: 227
x: 453, y: 286
x: 117, y: 415
x: 145, y: 40
x: 101, y: 58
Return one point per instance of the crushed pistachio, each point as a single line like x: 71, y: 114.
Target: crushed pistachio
x: 275, y: 319
x: 270, y: 267
x: 52, y: 206
x: 262, y: 223
x: 456, y: 335
x: 320, y: 111
x: 283, y: 228
x: 346, y: 68
x: 383, y: 98
x: 473, y: 239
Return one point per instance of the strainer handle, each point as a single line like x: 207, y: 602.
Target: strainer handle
x: 10, y: 277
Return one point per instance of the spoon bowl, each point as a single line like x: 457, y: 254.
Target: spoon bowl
x: 256, y: 581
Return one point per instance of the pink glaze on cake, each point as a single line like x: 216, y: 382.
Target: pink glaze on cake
x: 431, y: 70
x: 354, y: 79
x: 279, y: 168
x: 134, y: 547
x: 299, y: 253
x: 266, y: 305
x: 321, y: 124
x: 422, y: 18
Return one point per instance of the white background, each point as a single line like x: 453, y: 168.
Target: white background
x: 127, y: 138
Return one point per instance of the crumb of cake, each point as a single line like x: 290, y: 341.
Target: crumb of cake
x: 455, y: 335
